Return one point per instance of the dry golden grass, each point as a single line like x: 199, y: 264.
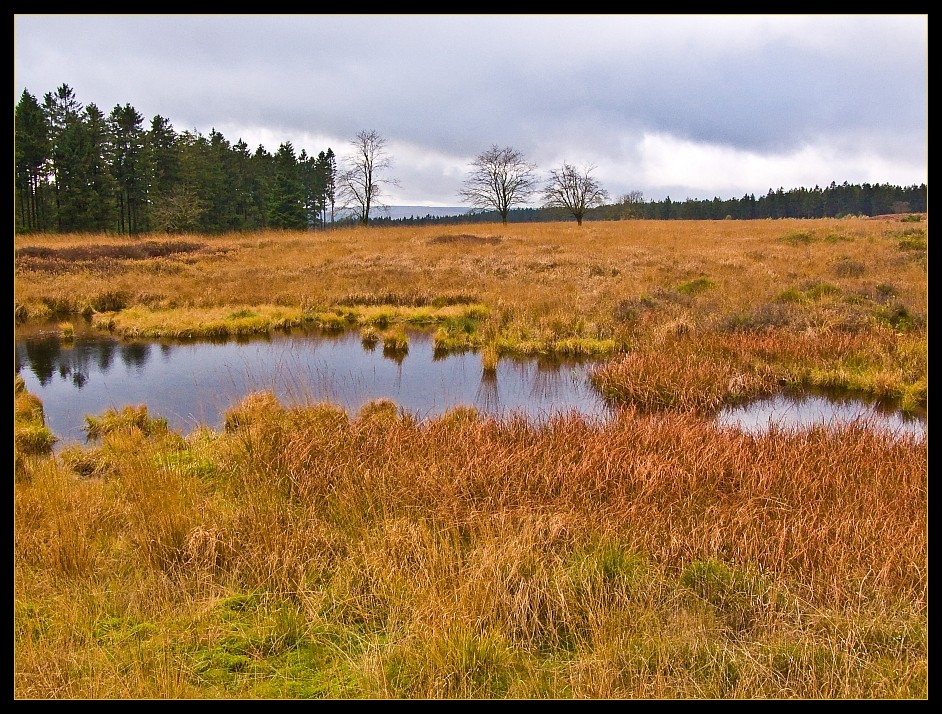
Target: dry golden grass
x: 304, y: 553
x: 857, y: 286
x: 536, y: 273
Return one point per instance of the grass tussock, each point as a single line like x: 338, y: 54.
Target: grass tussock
x: 31, y: 436
x: 464, y: 239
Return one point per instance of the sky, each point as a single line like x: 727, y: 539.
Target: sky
x: 679, y: 106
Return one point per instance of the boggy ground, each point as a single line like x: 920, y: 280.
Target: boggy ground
x: 740, y: 307
x: 303, y: 553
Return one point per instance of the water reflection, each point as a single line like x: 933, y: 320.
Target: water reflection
x: 793, y: 411
x: 487, y: 397
x: 194, y: 383
x: 396, y: 354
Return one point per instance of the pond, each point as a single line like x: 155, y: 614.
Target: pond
x: 193, y: 384
x: 794, y: 411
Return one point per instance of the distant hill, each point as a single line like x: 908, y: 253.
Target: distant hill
x: 395, y: 213
x: 422, y: 211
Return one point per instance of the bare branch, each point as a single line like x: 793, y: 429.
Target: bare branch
x: 500, y: 178
x: 360, y: 184
x: 574, y: 190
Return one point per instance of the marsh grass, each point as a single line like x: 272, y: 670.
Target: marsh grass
x: 707, y: 372
x: 599, y: 291
x: 490, y: 358
x: 31, y: 437
x: 303, y: 553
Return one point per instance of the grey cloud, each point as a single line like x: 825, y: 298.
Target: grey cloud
x: 550, y: 85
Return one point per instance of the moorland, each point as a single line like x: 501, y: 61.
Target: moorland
x: 302, y: 552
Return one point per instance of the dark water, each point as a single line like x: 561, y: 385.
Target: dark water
x: 193, y: 384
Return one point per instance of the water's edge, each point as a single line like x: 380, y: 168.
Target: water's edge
x: 193, y: 384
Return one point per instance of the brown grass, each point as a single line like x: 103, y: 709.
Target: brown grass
x: 303, y: 553
x: 537, y: 273
x: 654, y: 556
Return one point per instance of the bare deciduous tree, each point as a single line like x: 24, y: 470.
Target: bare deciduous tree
x: 499, y: 179
x: 631, y: 204
x: 360, y: 185
x: 177, y: 211
x: 574, y: 190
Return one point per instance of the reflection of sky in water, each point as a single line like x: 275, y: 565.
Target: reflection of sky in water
x: 194, y: 384
x: 788, y: 412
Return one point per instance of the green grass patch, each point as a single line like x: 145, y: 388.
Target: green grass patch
x: 740, y: 597
x: 460, y: 663
x: 913, y: 243
x: 696, y: 286
x: 188, y: 463
x: 808, y: 293
x: 190, y: 323
x: 837, y: 238
x: 798, y: 238
x: 271, y: 650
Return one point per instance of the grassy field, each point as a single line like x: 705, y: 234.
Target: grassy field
x: 301, y: 552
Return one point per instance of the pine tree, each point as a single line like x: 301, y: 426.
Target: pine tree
x: 287, y: 209
x: 62, y: 111
x: 129, y: 166
x: 101, y: 212
x: 31, y: 148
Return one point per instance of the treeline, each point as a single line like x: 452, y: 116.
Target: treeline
x: 835, y: 201
x: 78, y: 170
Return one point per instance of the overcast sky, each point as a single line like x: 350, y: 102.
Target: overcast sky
x: 686, y: 106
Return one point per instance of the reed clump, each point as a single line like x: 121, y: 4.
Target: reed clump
x: 490, y: 357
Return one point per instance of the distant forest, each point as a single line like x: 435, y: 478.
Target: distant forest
x: 78, y: 170
x: 835, y: 201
